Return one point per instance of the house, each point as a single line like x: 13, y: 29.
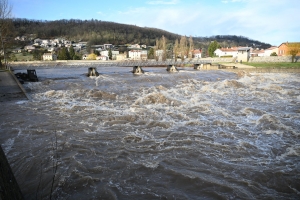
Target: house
x: 102, y: 58
x: 159, y: 54
x: 121, y: 56
x: 107, y: 46
x: 197, y: 53
x: 38, y: 40
x: 138, y: 54
x: 51, y: 49
x: 226, y: 52
x: 134, y: 46
x: 49, y: 56
x: 257, y: 53
x: 114, y: 53
x: 243, y: 54
x: 29, y: 48
x: 283, y: 48
x: 271, y: 50
x: 22, y: 38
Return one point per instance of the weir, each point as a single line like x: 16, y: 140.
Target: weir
x: 88, y: 64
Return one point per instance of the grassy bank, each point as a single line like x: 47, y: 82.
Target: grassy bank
x: 276, y: 65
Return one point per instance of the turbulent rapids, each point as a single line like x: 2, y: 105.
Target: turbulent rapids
x: 158, y: 135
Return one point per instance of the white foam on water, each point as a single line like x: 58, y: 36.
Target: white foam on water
x: 184, y: 119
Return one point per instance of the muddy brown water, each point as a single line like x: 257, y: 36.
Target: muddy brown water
x: 159, y: 135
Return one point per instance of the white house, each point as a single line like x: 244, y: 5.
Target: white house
x: 257, y: 53
x: 38, y: 40
x: 271, y: 50
x: 51, y: 49
x: 159, y: 53
x: 121, y: 56
x: 49, y: 56
x: 243, y: 54
x: 138, y: 54
x: 102, y: 58
x: 107, y: 46
x: 114, y: 53
x: 233, y: 52
x: 197, y: 53
x: 134, y: 46
x: 29, y: 48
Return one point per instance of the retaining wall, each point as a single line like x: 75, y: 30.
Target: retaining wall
x: 274, y: 59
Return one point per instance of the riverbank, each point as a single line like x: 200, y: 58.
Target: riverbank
x: 275, y: 65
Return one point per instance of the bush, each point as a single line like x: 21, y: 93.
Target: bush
x: 273, y: 54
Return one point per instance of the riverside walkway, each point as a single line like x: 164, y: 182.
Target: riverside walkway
x: 10, y: 88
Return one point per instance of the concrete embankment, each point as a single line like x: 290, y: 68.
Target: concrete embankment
x: 10, y: 87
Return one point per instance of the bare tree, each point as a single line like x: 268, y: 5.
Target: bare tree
x: 293, y: 49
x: 5, y: 28
x: 191, y: 49
x: 183, y: 47
x: 175, y: 50
x: 164, y: 48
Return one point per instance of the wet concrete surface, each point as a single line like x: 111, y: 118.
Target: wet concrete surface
x: 9, y: 88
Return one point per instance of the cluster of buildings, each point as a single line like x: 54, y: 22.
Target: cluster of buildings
x: 135, y: 52
x: 140, y: 52
x: 244, y: 53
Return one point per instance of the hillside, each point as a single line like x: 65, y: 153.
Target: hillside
x: 101, y: 32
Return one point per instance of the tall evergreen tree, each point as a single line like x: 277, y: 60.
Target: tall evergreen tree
x: 151, y: 53
x: 63, y: 54
x: 110, y: 54
x: 212, y: 47
x: 71, y: 53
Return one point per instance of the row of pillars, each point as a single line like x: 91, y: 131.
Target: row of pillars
x: 138, y: 70
x: 171, y: 68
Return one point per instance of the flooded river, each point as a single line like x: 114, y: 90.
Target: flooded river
x: 159, y: 135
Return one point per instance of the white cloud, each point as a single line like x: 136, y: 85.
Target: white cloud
x: 100, y: 13
x: 163, y: 2
x: 267, y: 21
x: 232, y: 1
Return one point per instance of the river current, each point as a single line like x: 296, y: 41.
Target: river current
x: 159, y: 135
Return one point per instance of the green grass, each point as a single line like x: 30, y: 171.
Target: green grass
x: 276, y: 65
x: 25, y: 57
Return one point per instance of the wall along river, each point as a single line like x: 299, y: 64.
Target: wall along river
x: 159, y: 135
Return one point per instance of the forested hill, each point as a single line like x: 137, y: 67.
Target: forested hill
x: 102, y: 32
x: 94, y: 31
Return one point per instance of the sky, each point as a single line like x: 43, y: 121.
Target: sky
x: 269, y: 21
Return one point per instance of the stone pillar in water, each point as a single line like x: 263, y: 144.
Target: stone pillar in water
x: 172, y: 68
x: 137, y: 70
x: 198, y: 66
x: 93, y: 72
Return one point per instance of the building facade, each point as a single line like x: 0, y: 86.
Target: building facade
x: 49, y: 57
